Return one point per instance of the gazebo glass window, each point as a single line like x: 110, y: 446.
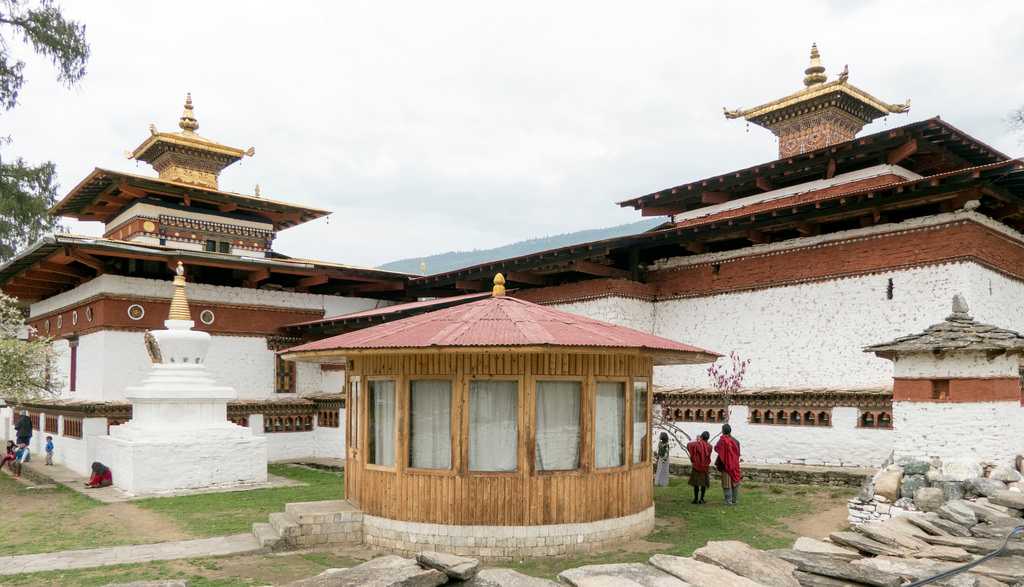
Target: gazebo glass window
x: 558, y: 425
x: 430, y: 424
x: 493, y: 421
x: 610, y: 424
x: 354, y: 411
x: 640, y: 442
x: 381, y: 422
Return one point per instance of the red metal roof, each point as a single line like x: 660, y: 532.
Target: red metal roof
x: 395, y: 309
x: 503, y: 322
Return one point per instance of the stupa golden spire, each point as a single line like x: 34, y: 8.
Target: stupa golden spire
x: 815, y: 73
x: 188, y: 122
x: 499, y: 285
x: 179, y: 302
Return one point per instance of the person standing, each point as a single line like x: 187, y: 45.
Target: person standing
x: 24, y: 429
x: 728, y: 462
x: 700, y: 461
x: 661, y: 476
x: 49, y: 450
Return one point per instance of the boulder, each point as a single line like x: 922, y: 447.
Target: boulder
x: 916, y: 568
x: 905, y: 503
x: 864, y: 544
x: 386, y: 571
x: 925, y: 523
x: 1018, y: 486
x: 910, y: 484
x: 916, y: 468
x: 506, y: 578
x: 815, y: 546
x: 867, y: 492
x: 812, y: 580
x: 987, y: 513
x: 929, y: 499
x: 748, y: 562
x: 958, y: 512
x: 995, y: 531
x: 978, y: 545
x: 1008, y: 569
x: 951, y: 528
x: 887, y: 484
x: 960, y: 471
x: 944, y: 553
x: 890, y: 535
x: 695, y: 572
x: 983, y: 486
x: 1007, y: 498
x: 456, y: 567
x: 619, y: 575
x: 951, y: 490
x: 1005, y: 474
x: 838, y: 568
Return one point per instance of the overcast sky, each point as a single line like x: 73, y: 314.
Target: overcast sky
x: 436, y: 126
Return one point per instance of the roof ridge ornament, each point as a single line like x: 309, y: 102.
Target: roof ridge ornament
x: 188, y: 122
x: 815, y: 73
x: 179, y: 301
x: 499, y: 286
x: 960, y: 309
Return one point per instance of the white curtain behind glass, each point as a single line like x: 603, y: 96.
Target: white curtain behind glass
x: 492, y: 425
x: 610, y: 424
x: 382, y: 422
x: 639, y: 420
x: 558, y: 425
x: 430, y: 424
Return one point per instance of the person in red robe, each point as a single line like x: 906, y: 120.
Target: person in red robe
x: 700, y: 461
x: 101, y: 476
x: 728, y: 462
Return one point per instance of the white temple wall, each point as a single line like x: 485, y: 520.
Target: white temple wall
x: 330, y: 442
x: 989, y: 432
x: 842, y: 444
x: 960, y: 365
x: 629, y: 312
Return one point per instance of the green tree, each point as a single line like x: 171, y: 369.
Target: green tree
x: 28, y: 191
x: 27, y: 363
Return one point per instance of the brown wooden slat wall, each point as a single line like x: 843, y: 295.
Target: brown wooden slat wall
x: 520, y: 498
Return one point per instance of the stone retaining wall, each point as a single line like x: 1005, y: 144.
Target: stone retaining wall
x: 790, y: 475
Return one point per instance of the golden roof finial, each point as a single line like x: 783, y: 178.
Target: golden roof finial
x: 188, y: 122
x: 179, y: 302
x: 815, y: 73
x: 499, y: 286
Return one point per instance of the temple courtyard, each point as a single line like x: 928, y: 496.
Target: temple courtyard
x: 51, y: 520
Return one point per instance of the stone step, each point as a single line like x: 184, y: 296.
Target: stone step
x: 285, y: 525
x: 267, y: 536
x: 324, y: 512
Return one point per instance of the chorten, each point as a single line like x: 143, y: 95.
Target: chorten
x: 823, y: 113
x: 179, y: 437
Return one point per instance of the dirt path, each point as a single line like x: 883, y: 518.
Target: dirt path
x: 827, y: 516
x: 130, y: 521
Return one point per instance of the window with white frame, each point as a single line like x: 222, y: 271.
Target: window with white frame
x: 641, y: 444
x: 430, y: 424
x: 610, y: 425
x: 381, y: 422
x: 558, y: 425
x: 493, y: 424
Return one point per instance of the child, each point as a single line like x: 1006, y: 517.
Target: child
x: 101, y: 476
x: 49, y: 450
x: 9, y: 455
x: 20, y: 457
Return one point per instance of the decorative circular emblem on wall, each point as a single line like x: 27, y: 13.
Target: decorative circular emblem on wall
x: 60, y: 321
x: 207, y: 317
x: 148, y: 226
x: 88, y: 314
x: 136, y: 312
x: 74, y: 317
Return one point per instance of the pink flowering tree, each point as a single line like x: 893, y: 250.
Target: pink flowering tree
x: 727, y: 377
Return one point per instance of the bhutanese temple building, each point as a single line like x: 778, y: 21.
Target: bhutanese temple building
x: 796, y: 264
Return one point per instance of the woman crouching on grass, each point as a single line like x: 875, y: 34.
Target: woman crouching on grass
x: 101, y: 476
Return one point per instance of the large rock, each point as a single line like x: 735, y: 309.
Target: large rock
x: 1005, y: 474
x: 890, y: 535
x: 978, y: 545
x: 983, y: 486
x: 619, y: 575
x: 456, y: 567
x: 958, y: 512
x: 916, y: 468
x: 952, y: 490
x: 910, y: 484
x: 812, y: 580
x: 386, y: 571
x: 924, y: 523
x: 695, y: 572
x: 917, y: 569
x: 887, y: 484
x: 993, y: 514
x: 864, y: 544
x: 929, y: 499
x: 505, y: 578
x: 951, y: 528
x: 960, y: 471
x: 1008, y: 569
x: 815, y: 546
x: 943, y: 553
x: 838, y: 568
x: 748, y: 562
x: 1007, y: 498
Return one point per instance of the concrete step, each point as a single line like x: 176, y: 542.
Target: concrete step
x: 284, y: 524
x: 267, y: 536
x: 324, y: 512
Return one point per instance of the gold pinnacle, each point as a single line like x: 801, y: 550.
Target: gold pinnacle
x: 815, y: 73
x: 188, y: 122
x: 499, y: 286
x: 179, y: 302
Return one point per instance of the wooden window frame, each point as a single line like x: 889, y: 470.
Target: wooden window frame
x: 366, y: 422
x: 645, y: 455
x: 587, y: 389
x: 405, y: 407
x: 521, y: 439
x: 292, y: 383
x: 353, y: 411
x: 627, y: 425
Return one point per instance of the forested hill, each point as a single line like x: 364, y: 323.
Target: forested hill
x: 456, y: 259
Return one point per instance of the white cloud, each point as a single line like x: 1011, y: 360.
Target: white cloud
x: 432, y: 126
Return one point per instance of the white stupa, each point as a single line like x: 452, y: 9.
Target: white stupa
x: 179, y: 437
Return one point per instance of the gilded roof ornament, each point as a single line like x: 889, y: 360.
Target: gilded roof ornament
x: 179, y: 301
x: 499, y: 286
x: 188, y: 122
x: 815, y: 73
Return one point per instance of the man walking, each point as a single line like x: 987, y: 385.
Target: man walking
x: 728, y: 462
x: 700, y: 460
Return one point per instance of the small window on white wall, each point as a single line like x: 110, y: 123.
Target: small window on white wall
x: 610, y: 425
x: 381, y: 423
x: 430, y: 424
x: 558, y: 425
x: 493, y: 421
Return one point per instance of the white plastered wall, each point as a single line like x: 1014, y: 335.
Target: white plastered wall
x: 989, y: 432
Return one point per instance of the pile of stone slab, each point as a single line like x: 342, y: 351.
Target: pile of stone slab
x: 428, y: 569
x: 926, y: 486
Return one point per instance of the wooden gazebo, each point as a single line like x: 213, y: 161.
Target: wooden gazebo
x: 496, y: 414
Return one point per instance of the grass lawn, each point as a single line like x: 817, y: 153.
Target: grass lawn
x: 217, y: 514
x: 50, y: 520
